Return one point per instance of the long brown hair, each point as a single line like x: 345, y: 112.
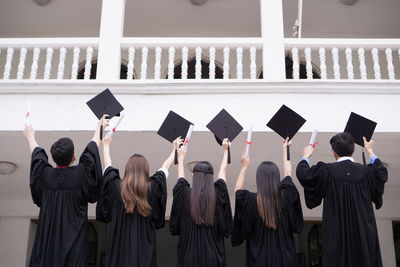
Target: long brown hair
x: 268, y: 193
x: 202, y: 197
x: 135, y: 185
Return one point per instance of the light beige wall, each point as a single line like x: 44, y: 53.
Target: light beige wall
x: 14, y: 233
x: 386, y: 242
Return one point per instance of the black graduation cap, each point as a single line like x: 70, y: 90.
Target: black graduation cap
x: 224, y: 126
x: 105, y: 103
x: 286, y: 123
x: 359, y: 126
x: 173, y: 127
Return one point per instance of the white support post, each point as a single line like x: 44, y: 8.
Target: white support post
x: 111, y: 32
x: 273, y: 40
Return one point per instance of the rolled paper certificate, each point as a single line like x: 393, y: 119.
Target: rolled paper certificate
x: 28, y: 114
x: 188, y: 135
x: 248, y: 140
x: 114, y: 129
x: 313, y: 137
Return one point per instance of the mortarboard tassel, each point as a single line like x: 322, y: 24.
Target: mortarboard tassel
x: 229, y: 155
x: 363, y: 156
x: 288, y: 153
x: 101, y: 130
x: 176, y: 157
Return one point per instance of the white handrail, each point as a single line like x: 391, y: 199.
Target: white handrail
x: 45, y: 42
x: 341, y: 43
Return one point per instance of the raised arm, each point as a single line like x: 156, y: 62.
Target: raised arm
x: 224, y: 163
x: 287, y: 165
x: 106, y: 150
x: 242, y: 174
x: 170, y: 160
x: 181, y: 167
x: 29, y: 133
x: 105, y: 121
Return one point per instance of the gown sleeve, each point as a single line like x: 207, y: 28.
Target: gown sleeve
x: 92, y: 179
x: 180, y: 191
x: 377, y: 177
x: 292, y: 205
x: 39, y: 162
x: 314, y: 181
x: 223, y: 208
x: 242, y: 222
x: 159, y: 198
x: 108, y: 195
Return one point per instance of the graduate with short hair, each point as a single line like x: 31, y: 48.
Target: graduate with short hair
x: 201, y: 215
x: 62, y: 193
x: 267, y: 219
x: 350, y: 236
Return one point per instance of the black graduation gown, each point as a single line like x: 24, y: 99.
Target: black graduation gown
x: 132, y: 237
x: 199, y: 245
x: 266, y: 246
x: 63, y: 196
x: 349, y: 234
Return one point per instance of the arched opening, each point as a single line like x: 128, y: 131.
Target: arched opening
x: 93, y: 72
x: 205, y: 70
x: 302, y: 70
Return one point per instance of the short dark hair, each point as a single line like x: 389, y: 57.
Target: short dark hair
x: 343, y: 144
x: 62, y: 151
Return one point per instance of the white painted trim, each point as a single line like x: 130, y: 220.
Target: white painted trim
x: 46, y: 42
x: 341, y: 43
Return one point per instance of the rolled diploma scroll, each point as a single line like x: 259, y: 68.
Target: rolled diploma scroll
x: 28, y: 114
x: 248, y: 141
x: 188, y: 135
x: 116, y: 125
x: 313, y: 137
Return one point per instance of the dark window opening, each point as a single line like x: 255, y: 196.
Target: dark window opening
x: 93, y: 72
x: 205, y: 70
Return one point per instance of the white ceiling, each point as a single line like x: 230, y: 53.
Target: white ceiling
x: 217, y: 18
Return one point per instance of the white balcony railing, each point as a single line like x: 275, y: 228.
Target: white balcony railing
x: 166, y: 59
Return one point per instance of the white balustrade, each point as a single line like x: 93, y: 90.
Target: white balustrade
x: 7, y: 67
x: 349, y: 60
x: 296, y: 64
x: 309, y: 70
x: 171, y: 65
x: 390, y: 67
x: 88, y: 65
x: 61, y: 63
x: 185, y: 52
x: 226, y: 63
x: 336, y: 66
x: 35, y: 59
x: 47, y: 66
x: 75, y: 64
x: 363, y: 67
x: 131, y: 65
x: 157, y: 66
x: 21, y: 65
x: 322, y: 66
x: 375, y: 59
x: 143, y: 70
x: 253, y: 65
x: 212, y: 63
x: 198, y: 63
x: 239, y: 63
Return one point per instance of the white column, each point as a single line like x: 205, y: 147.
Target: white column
x: 273, y: 40
x: 111, y: 32
x: 386, y: 242
x: 14, y: 233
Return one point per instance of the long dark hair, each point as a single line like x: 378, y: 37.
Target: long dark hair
x: 202, y: 197
x: 268, y: 192
x: 135, y: 185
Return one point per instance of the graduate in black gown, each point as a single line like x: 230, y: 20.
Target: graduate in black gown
x: 268, y: 218
x: 349, y: 233
x: 62, y: 194
x: 135, y: 206
x: 201, y: 215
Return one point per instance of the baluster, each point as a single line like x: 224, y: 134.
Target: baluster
x: 375, y: 59
x: 75, y: 63
x: 7, y: 67
x: 61, y: 63
x: 336, y: 66
x: 185, y: 52
x: 349, y: 60
x: 143, y: 70
x: 198, y: 63
x: 322, y: 59
x: 171, y: 65
x: 226, y: 63
x: 296, y: 65
x: 253, y: 66
x: 239, y: 63
x: 131, y: 59
x: 21, y: 65
x: 307, y: 52
x: 363, y: 68
x: 212, y: 63
x: 390, y: 67
x: 157, y: 66
x: 35, y: 59
x: 88, y: 64
x: 47, y: 66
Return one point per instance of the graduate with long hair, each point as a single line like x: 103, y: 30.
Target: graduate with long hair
x: 268, y: 218
x: 201, y: 215
x: 135, y: 206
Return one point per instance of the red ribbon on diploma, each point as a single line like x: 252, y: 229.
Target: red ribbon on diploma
x: 248, y: 143
x: 113, y: 129
x: 313, y: 145
x: 28, y: 114
x: 186, y: 141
